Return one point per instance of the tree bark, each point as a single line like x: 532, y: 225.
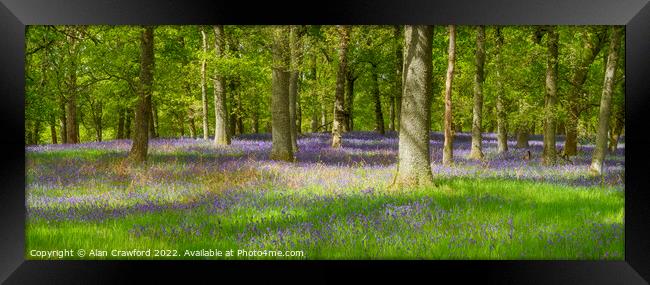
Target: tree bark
x: 502, y: 120
x: 127, y: 124
x: 296, y: 54
x: 414, y: 157
x: 399, y: 59
x: 605, y: 102
x: 549, y: 155
x: 64, y: 123
x: 477, y: 138
x: 204, y: 94
x: 339, y: 97
x: 120, y: 123
x: 53, y: 129
x: 592, y: 47
x: 522, y: 138
x: 221, y: 136
x: 379, y: 115
x: 140, y: 143
x: 72, y: 125
x: 281, y: 134
x: 448, y: 150
x: 349, y: 96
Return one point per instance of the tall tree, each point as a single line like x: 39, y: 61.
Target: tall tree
x: 399, y: 58
x: 140, y: 143
x: 349, y: 98
x: 448, y: 149
x: 72, y: 125
x: 414, y: 157
x: 281, y: 136
x: 204, y: 95
x: 476, y: 150
x: 605, y: 101
x: 296, y: 55
x: 221, y: 136
x: 339, y: 97
x: 592, y: 44
x: 549, y: 154
x: 502, y: 120
x: 376, y: 96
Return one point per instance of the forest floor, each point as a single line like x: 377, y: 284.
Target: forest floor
x: 330, y: 204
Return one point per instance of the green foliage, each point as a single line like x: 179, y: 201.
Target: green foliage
x: 105, y: 61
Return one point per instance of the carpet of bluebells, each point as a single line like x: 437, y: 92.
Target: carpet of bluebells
x: 330, y: 203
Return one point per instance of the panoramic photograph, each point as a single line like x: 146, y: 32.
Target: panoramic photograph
x: 325, y: 142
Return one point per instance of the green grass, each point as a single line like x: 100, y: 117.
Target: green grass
x: 461, y: 218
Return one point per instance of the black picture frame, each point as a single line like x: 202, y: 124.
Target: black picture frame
x: 634, y: 14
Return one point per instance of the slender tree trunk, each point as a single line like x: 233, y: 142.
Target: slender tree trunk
x: 414, y: 157
x: 448, y: 149
x: 605, y: 101
x: 192, y: 127
x: 295, y: 50
x: 399, y: 58
x: 221, y: 136
x: 120, y: 123
x: 349, y: 96
x: 477, y: 138
x: 64, y: 123
x: 53, y: 129
x: 549, y: 155
x: 140, y: 143
x: 36, y: 133
x: 502, y: 120
x: 281, y: 135
x: 339, y: 110
x: 256, y: 120
x: 204, y: 93
x: 152, y: 126
x: 617, y: 128
x: 127, y: 124
x: 72, y: 124
x: 379, y: 116
x: 314, y: 121
x: 588, y: 55
x: 298, y: 115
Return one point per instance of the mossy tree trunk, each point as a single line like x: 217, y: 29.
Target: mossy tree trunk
x: 280, y: 120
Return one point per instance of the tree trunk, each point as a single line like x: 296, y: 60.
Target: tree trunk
x: 281, y: 134
x: 192, y: 127
x: 522, y: 138
x: 53, y: 129
x: 120, y: 123
x: 127, y: 124
x: 221, y: 136
x: 549, y: 154
x: 72, y: 124
x: 36, y: 133
x: 448, y: 149
x: 256, y: 121
x: 204, y: 94
x: 617, y: 128
x: 140, y: 143
x: 339, y: 97
x: 477, y: 118
x: 589, y: 53
x: 399, y: 58
x: 295, y: 50
x: 152, y: 126
x: 379, y: 116
x: 64, y: 124
x: 502, y: 120
x: 605, y: 102
x: 414, y: 157
x: 349, y: 97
